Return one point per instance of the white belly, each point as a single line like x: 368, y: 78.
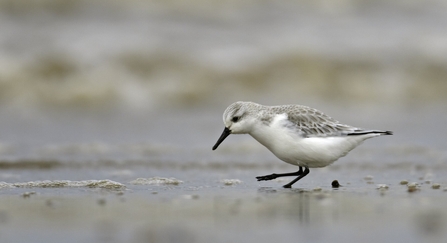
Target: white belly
x: 310, y: 152
x: 314, y: 152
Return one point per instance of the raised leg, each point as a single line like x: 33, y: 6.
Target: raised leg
x: 274, y: 176
x: 305, y: 172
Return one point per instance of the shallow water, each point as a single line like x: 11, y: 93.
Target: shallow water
x: 108, y: 113
x: 205, y: 207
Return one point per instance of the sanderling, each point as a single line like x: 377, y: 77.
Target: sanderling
x: 296, y: 134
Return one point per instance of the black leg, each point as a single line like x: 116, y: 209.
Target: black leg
x: 274, y: 176
x: 305, y: 172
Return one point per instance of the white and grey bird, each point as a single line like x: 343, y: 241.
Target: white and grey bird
x: 296, y: 134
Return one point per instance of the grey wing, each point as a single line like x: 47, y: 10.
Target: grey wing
x: 313, y: 123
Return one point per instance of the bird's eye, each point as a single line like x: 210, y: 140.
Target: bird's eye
x: 235, y: 119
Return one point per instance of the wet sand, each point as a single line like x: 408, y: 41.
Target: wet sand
x: 229, y: 206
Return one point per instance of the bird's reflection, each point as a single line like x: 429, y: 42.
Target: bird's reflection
x: 293, y: 204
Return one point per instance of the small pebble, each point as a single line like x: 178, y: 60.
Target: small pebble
x: 403, y: 182
x: 436, y: 186
x: 382, y: 186
x: 370, y: 182
x: 335, y: 184
x: 412, y: 187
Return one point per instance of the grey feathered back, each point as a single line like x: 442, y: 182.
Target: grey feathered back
x: 312, y: 122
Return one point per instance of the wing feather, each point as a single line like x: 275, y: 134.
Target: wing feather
x: 313, y: 123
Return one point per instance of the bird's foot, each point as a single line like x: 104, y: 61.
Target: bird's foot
x: 267, y: 177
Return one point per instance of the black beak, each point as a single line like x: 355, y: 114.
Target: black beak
x: 225, y: 134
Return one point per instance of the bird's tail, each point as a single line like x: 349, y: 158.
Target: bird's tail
x: 364, y: 132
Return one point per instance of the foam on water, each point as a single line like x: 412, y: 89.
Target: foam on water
x: 156, y: 181
x: 230, y: 182
x: 105, y: 184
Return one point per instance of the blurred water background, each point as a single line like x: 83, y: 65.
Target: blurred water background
x: 122, y: 89
x: 161, y: 72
